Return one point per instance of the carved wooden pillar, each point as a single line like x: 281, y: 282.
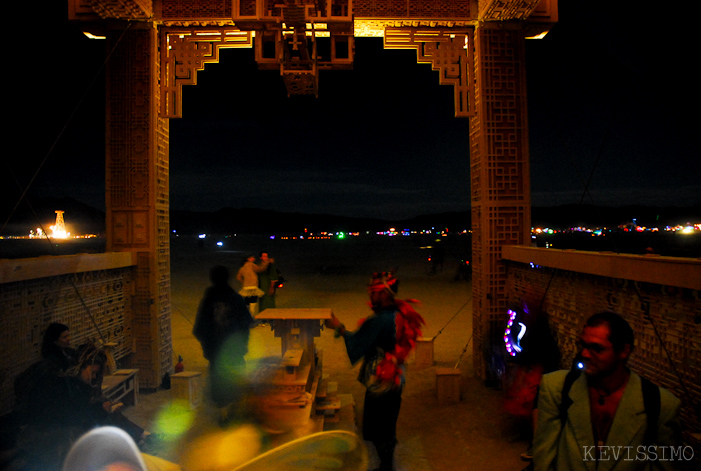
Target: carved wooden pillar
x: 500, y: 182
x: 137, y: 198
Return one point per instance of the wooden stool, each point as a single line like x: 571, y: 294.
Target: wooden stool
x: 448, y: 385
x: 187, y: 386
x: 424, y: 351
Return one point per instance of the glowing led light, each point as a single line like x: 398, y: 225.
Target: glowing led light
x: 507, y: 332
x: 517, y: 346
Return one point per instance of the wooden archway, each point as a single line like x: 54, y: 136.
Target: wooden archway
x: 159, y: 45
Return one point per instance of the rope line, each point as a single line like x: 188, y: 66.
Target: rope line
x: 454, y: 316
x: 463, y: 351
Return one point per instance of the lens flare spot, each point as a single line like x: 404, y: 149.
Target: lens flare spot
x: 174, y: 419
x: 223, y: 451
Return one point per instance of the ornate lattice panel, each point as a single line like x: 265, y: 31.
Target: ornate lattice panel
x: 195, y: 9
x: 569, y: 298
x: 95, y: 305
x: 499, y: 182
x: 137, y: 193
x: 449, y: 51
x: 186, y: 51
x: 504, y: 10
x: 409, y: 8
x: 247, y: 8
x: 122, y: 9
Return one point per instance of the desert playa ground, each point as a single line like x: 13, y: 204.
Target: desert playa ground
x: 472, y: 434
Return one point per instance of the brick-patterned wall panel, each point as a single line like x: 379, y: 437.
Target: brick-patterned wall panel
x: 162, y: 205
x: 79, y: 300
x: 569, y: 298
x: 499, y: 182
x: 137, y: 199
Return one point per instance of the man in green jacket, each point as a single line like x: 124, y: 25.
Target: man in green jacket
x: 605, y: 423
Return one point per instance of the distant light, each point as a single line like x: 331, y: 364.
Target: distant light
x: 202, y: 236
x: 220, y: 244
x: 580, y: 365
x: 272, y: 236
x: 688, y: 230
x: 538, y: 36
x: 89, y: 35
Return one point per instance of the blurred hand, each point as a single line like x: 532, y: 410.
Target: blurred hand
x: 332, y: 323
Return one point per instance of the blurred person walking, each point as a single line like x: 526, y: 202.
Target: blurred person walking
x: 222, y: 328
x: 382, y: 342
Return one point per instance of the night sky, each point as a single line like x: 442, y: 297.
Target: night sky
x: 611, y: 102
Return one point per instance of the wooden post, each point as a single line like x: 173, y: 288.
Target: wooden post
x: 188, y: 387
x: 448, y: 385
x: 424, y: 351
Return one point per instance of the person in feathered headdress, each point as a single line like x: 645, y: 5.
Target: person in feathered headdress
x: 382, y: 341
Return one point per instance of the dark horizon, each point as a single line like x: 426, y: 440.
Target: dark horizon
x: 254, y: 219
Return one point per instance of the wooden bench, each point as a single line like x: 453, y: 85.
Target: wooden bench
x: 122, y: 386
